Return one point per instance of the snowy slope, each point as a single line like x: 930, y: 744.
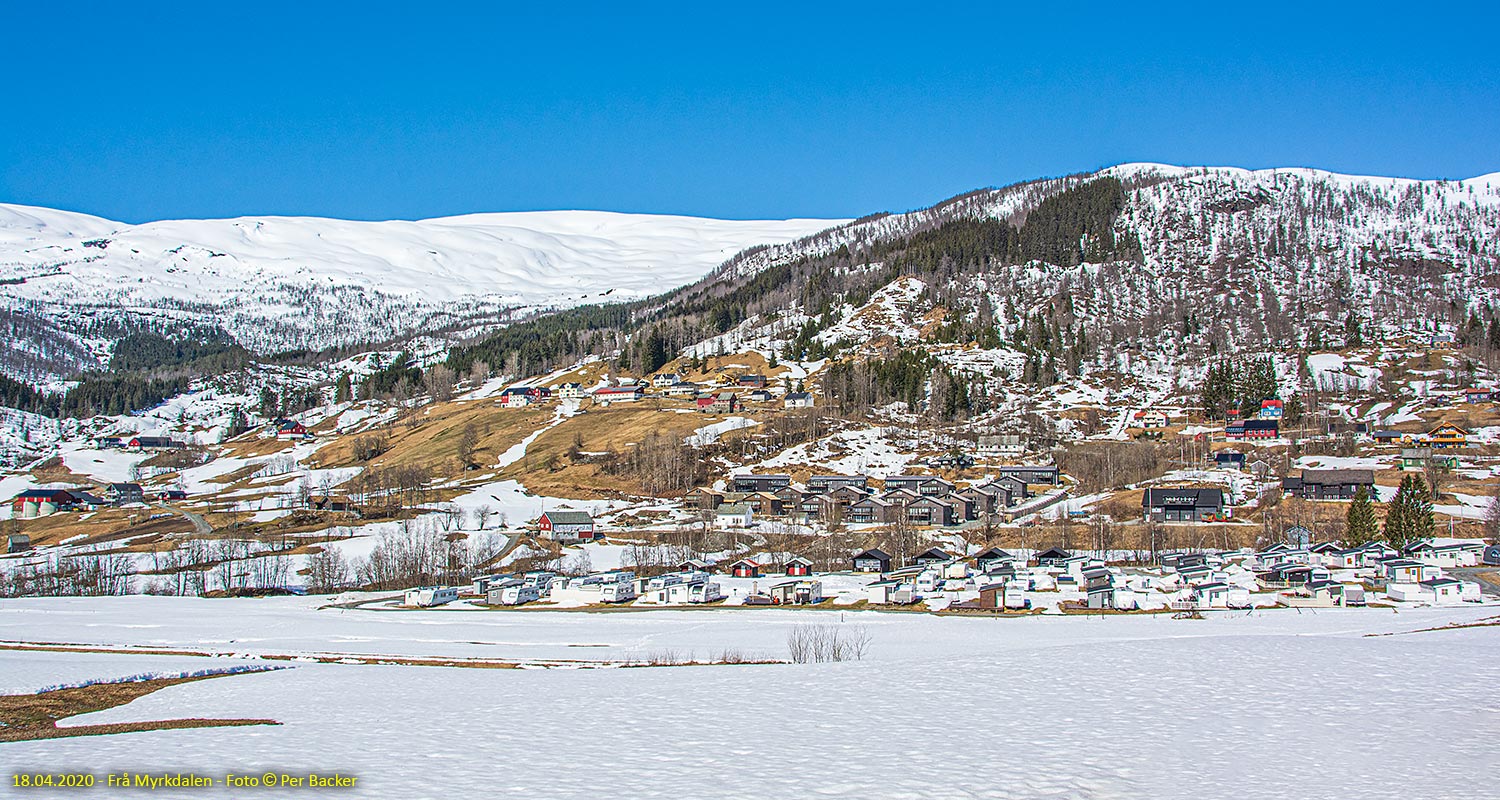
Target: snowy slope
x: 299, y: 281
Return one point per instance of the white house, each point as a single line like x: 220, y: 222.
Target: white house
x: 1003, y: 445
x: 571, y: 391
x: 429, y: 596
x: 798, y: 400
x: 1454, y: 554
x: 664, y: 379
x: 734, y: 515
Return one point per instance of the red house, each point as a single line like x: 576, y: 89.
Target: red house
x: 567, y: 526
x: 799, y: 567
x: 744, y: 568
x: 291, y: 429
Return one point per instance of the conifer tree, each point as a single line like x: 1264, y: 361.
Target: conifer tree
x: 1410, y: 516
x: 1360, y: 526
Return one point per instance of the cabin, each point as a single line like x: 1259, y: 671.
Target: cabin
x: 682, y: 389
x: 1183, y: 505
x: 1405, y: 570
x: 1271, y: 408
x: 1475, y: 394
x: 1453, y: 554
x: 752, y: 382
x: 429, y: 596
x: 1299, y: 537
x: 993, y: 557
x: 1448, y: 435
x: 1029, y: 474
x: 1002, y: 445
x: 745, y: 568
x: 799, y: 566
x: 567, y: 526
x: 749, y: 482
x: 153, y: 443
x: 1229, y: 459
x: 798, y: 400
x: 17, y: 543
x: 1387, y: 436
x: 108, y: 443
x: 121, y: 493
x: 168, y: 495
x: 734, y: 515
x: 618, y: 394
x: 758, y: 396
x: 1443, y: 341
x: 290, y: 430
x: 934, y: 555
x: 1252, y: 429
x: 1330, y: 484
x: 872, y: 560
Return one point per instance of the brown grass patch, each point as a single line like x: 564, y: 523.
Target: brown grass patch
x: 29, y: 717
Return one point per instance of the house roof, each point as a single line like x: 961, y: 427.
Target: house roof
x: 995, y: 552
x: 734, y: 509
x: 569, y: 517
x: 1332, y: 476
x: 1054, y: 552
x: 874, y: 552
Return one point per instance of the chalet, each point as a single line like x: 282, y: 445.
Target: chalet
x: 872, y: 509
x: 745, y: 568
x: 567, y: 526
x: 931, y: 511
x: 1475, y: 394
x: 1229, y: 459
x: 749, y: 482
x: 121, y: 493
x: 758, y: 396
x: 798, y: 400
x: 1032, y: 474
x: 618, y: 394
x: 734, y: 515
x: 1052, y: 557
x: 824, y: 483
x: 872, y: 560
x: 1148, y: 419
x: 1271, y: 408
x: 34, y: 503
x: 682, y: 389
x: 1368, y: 555
x: 664, y: 379
x: 1387, y: 436
x: 571, y: 391
x: 291, y: 430
x: 1253, y: 429
x: 429, y: 596
x: 934, y: 555
x: 153, y: 443
x: 992, y: 558
x: 1182, y: 505
x: 703, y: 499
x: 1448, y: 435
x: 1003, y: 445
x: 1330, y: 484
x: 922, y: 485
x: 799, y: 566
x: 752, y: 382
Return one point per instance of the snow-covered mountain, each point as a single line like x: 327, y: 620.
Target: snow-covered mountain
x: 283, y: 282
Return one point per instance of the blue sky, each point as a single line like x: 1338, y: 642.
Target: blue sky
x: 375, y: 110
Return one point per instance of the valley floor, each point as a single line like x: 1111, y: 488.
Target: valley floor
x: 1269, y: 704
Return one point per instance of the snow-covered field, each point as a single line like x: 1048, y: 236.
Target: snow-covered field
x: 1274, y: 704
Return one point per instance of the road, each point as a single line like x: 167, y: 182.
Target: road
x: 200, y: 525
x: 1488, y: 577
